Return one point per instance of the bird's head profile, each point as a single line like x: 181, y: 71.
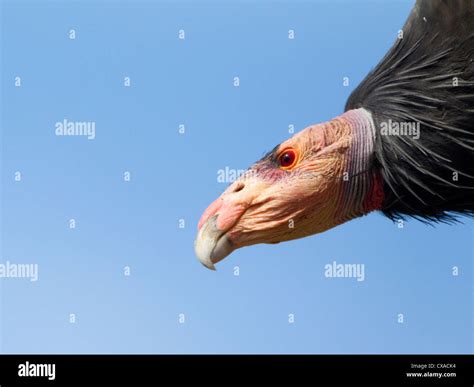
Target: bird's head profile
x: 404, y: 146
x: 304, y: 186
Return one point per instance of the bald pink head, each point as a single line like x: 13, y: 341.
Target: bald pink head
x: 319, y: 178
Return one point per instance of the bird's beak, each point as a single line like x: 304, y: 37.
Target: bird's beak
x: 212, y: 245
x: 216, y: 238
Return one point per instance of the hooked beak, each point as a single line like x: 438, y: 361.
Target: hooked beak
x: 212, y: 244
x: 216, y: 237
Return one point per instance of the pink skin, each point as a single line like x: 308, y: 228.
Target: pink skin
x: 228, y: 207
x: 228, y: 213
x: 211, y: 210
x: 242, y: 194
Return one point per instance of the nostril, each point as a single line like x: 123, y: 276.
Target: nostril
x: 239, y: 187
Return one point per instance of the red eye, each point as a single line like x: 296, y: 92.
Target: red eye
x: 287, y: 159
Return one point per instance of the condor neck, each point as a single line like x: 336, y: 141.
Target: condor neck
x: 362, y: 187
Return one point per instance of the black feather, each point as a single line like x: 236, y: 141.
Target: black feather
x: 416, y: 82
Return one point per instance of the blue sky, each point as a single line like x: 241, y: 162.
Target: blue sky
x: 174, y: 176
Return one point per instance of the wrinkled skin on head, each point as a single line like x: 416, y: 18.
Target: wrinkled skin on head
x: 271, y: 203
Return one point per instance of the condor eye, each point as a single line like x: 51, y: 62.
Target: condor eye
x: 287, y: 158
